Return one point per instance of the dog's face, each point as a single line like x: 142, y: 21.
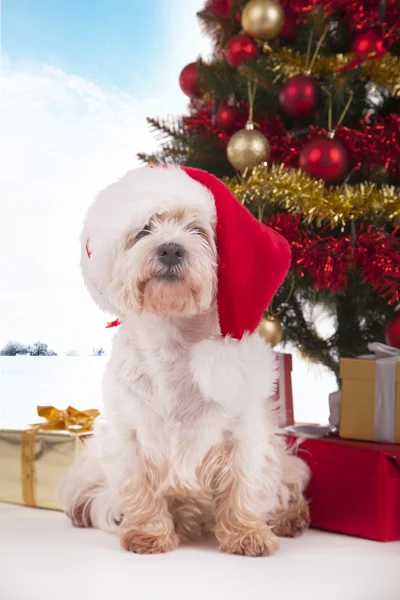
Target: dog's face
x: 166, y: 267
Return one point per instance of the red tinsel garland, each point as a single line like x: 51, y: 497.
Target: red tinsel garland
x: 370, y: 146
x: 199, y: 120
x: 328, y: 261
x: 378, y: 257
x: 374, y: 145
x: 358, y: 14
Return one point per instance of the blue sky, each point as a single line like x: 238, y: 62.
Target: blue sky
x: 116, y: 43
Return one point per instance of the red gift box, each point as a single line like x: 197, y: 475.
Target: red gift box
x: 284, y: 394
x: 354, y: 487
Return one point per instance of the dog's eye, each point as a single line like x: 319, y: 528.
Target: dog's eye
x: 145, y: 231
x: 199, y: 231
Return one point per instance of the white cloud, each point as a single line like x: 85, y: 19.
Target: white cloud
x: 63, y: 139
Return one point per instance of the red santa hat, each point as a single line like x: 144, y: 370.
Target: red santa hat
x: 252, y: 258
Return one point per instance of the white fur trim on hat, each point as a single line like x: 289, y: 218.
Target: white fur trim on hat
x: 234, y: 372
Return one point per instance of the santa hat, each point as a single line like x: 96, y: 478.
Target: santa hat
x: 252, y: 258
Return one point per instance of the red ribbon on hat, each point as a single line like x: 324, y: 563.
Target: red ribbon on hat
x: 114, y: 323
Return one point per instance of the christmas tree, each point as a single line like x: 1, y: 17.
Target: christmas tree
x: 299, y: 112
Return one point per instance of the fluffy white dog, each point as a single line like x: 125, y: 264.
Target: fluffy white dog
x: 188, y: 440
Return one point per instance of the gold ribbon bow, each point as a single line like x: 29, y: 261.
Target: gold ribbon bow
x: 71, y: 420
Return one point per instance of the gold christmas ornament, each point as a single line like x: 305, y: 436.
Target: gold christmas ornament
x: 247, y: 148
x: 263, y: 19
x: 271, y: 330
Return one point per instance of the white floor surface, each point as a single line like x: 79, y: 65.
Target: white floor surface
x: 43, y: 558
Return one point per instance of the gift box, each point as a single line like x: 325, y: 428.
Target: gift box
x: 354, y: 487
x: 370, y: 396
x: 33, y: 460
x: 283, y: 396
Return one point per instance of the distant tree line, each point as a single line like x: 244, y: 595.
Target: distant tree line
x: 13, y: 348
x: 17, y: 349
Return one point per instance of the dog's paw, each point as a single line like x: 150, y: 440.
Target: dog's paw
x: 143, y: 542
x: 293, y: 521
x: 260, y: 542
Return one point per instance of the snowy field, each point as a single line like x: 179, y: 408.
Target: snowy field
x: 27, y: 381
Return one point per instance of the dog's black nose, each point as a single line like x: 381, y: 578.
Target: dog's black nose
x: 170, y: 254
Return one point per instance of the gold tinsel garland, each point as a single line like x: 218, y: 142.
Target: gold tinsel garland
x: 381, y: 71
x: 299, y: 193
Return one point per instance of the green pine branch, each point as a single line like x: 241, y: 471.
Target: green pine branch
x: 166, y: 129
x: 217, y: 78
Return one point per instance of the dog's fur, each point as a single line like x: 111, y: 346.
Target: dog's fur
x: 188, y: 441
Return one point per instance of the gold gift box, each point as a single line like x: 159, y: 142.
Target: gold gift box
x: 357, y: 418
x: 33, y: 460
x: 30, y: 475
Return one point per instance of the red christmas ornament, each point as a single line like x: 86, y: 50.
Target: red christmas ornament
x: 220, y: 7
x: 288, y: 30
x: 188, y: 81
x: 241, y: 48
x: 325, y: 158
x: 368, y: 44
x: 226, y: 117
x: 392, y: 331
x: 298, y: 97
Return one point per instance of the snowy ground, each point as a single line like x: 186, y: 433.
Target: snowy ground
x: 44, y: 558
x: 27, y: 381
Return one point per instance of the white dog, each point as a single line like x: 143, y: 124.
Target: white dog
x: 188, y: 441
